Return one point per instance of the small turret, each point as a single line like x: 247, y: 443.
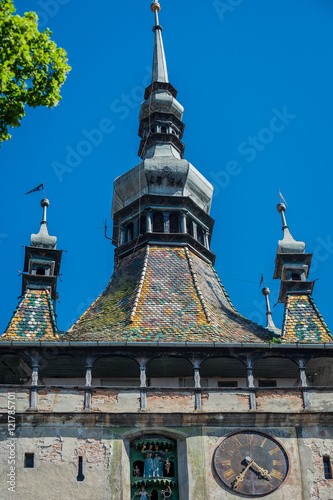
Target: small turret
x: 34, y: 318
x: 42, y: 259
x: 292, y: 264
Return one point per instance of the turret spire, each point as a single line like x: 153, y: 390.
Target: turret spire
x: 270, y: 323
x: 288, y: 244
x: 43, y: 239
x: 160, y: 72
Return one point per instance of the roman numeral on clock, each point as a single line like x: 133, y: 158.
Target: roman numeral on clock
x: 276, y: 474
x: 229, y: 474
x: 274, y: 450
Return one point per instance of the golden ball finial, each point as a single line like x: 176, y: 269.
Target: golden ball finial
x: 155, y: 6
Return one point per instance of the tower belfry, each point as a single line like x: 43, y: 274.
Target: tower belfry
x: 162, y: 230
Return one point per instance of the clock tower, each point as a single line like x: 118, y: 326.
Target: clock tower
x: 162, y: 389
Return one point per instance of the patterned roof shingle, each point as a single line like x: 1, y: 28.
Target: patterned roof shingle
x: 303, y: 322
x: 165, y: 294
x: 34, y: 318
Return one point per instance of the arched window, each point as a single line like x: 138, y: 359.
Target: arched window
x: 174, y: 222
x: 143, y: 224
x: 153, y: 464
x: 163, y: 129
x: 158, y: 226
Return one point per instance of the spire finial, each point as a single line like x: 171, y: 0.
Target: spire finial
x: 270, y: 323
x: 281, y: 208
x: 288, y: 244
x: 160, y: 72
x: 155, y: 6
x: 43, y: 239
x: 44, y: 203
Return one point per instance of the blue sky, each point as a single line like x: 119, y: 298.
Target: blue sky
x: 237, y: 65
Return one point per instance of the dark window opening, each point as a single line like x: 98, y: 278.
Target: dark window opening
x: 295, y: 277
x: 80, y: 476
x: 143, y: 224
x: 29, y: 460
x: 152, y: 130
x: 154, y: 495
x: 267, y: 383
x: 200, y: 235
x: 40, y: 271
x: 158, y: 224
x: 227, y: 383
x: 163, y: 130
x: 174, y: 222
x: 169, y: 468
x: 130, y: 231
x: 189, y: 226
x: 327, y: 467
x: 138, y: 468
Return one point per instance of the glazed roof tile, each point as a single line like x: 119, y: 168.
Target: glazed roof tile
x: 165, y: 294
x: 303, y: 322
x: 34, y: 318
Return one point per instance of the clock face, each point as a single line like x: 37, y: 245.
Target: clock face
x: 251, y: 463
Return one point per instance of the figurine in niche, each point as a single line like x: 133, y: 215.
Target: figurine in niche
x: 167, y: 493
x: 143, y: 494
x: 167, y: 466
x: 158, y: 461
x: 136, y: 471
x: 149, y: 461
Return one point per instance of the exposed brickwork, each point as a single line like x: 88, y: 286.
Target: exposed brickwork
x: 321, y: 486
x: 93, y: 451
x: 52, y: 452
x: 288, y: 401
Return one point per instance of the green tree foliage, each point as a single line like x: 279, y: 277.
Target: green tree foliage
x: 32, y: 68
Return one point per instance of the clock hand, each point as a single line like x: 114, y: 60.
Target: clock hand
x: 240, y: 478
x: 263, y: 472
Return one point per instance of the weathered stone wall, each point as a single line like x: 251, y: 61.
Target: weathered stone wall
x: 286, y: 401
x: 105, y: 451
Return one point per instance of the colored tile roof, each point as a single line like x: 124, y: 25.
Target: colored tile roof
x: 34, y: 318
x: 165, y: 294
x: 303, y: 322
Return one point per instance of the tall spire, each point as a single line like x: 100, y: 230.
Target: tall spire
x: 161, y: 127
x: 160, y: 72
